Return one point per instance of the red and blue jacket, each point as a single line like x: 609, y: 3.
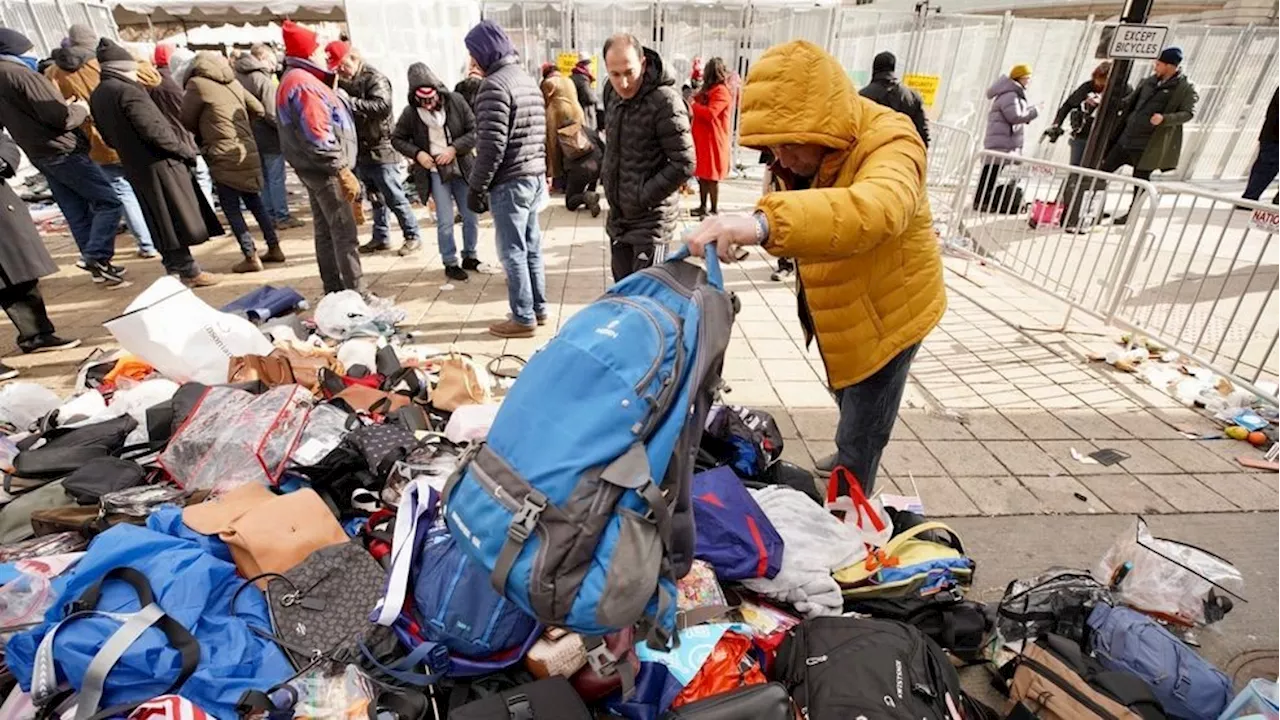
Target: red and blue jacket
x: 317, y: 134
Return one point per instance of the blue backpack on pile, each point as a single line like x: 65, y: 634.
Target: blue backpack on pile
x: 734, y: 535
x: 577, y: 505
x: 1186, y: 685
x: 441, y: 605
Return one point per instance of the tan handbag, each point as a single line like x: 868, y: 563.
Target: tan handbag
x: 462, y: 382
x: 307, y: 362
x: 274, y: 369
x: 267, y: 533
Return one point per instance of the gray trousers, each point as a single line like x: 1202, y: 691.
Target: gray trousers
x: 337, y: 247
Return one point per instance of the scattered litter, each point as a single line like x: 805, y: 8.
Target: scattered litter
x: 909, y: 503
x: 1257, y: 464
x: 1081, y: 497
x: 447, y: 286
x: 1078, y: 457
x: 1109, y: 456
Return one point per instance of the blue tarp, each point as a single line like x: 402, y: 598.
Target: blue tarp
x: 192, y: 586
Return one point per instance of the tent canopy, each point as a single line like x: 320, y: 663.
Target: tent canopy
x: 217, y: 12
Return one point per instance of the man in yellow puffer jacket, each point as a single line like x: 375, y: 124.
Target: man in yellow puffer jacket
x: 855, y: 217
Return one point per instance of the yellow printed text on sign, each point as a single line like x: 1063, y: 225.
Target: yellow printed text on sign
x: 926, y: 85
x: 566, y: 61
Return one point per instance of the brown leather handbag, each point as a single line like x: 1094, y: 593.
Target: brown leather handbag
x: 272, y: 370
x: 307, y: 362
x: 267, y: 533
x: 462, y: 382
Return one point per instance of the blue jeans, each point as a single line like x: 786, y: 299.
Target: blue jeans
x: 445, y: 195
x: 133, y: 216
x: 868, y: 411
x: 1077, y: 149
x: 274, y: 195
x: 514, y: 205
x: 382, y: 183
x: 231, y: 199
x: 87, y: 200
x: 204, y: 179
x: 1263, y: 171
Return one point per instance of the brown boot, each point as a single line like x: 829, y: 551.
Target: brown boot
x: 204, y: 279
x: 511, y: 329
x: 249, y: 264
x: 273, y: 255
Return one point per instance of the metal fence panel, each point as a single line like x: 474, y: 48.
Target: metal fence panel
x: 394, y: 34
x: 705, y: 31
x: 862, y: 33
x: 593, y: 23
x: 964, y: 52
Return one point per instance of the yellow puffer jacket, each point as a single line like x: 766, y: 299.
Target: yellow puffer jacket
x: 862, y: 235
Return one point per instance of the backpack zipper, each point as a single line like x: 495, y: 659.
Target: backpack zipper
x: 1058, y: 680
x: 657, y: 327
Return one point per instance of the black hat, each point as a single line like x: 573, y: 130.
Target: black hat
x: 13, y: 42
x: 109, y: 51
x: 884, y: 62
x: 1171, y: 55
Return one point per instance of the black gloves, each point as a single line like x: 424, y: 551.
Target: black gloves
x: 478, y: 202
x: 1053, y: 133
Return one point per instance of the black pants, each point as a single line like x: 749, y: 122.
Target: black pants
x: 580, y: 180
x: 627, y: 258
x: 337, y: 246
x: 868, y: 411
x: 987, y: 182
x: 25, y: 308
x: 1117, y: 158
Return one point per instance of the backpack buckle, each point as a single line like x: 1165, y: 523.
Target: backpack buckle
x: 526, y: 517
x: 601, y: 661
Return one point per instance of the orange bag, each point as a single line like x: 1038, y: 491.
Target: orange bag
x: 730, y: 666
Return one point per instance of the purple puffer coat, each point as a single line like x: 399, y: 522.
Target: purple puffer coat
x: 1008, y: 116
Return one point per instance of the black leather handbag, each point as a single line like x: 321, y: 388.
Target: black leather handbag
x: 320, y: 608
x: 757, y: 702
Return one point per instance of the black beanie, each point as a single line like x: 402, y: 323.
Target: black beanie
x: 13, y: 42
x: 109, y: 51
x: 884, y: 62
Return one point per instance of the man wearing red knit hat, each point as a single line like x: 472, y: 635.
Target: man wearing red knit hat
x: 318, y: 138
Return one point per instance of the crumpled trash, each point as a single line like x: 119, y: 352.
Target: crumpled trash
x: 345, y: 314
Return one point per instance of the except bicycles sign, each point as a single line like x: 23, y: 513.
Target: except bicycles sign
x: 1137, y: 42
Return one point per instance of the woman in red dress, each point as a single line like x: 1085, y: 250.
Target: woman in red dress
x: 712, y: 120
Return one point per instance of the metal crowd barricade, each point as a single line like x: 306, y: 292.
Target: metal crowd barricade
x: 1050, y: 225
x: 1203, y: 280
x: 950, y: 150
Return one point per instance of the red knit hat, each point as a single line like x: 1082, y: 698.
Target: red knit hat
x: 299, y: 41
x: 335, y: 52
x: 162, y: 55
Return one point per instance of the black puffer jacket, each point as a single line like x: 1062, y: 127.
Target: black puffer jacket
x: 884, y: 89
x: 410, y: 135
x: 370, y: 102
x: 511, y: 127
x: 648, y: 155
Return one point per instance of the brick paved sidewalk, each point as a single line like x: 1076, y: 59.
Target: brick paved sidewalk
x: 988, y: 422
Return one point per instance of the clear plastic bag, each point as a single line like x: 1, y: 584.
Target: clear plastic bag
x: 434, y: 459
x: 327, y: 696
x: 1257, y: 701
x: 232, y: 438
x: 1175, y: 581
x: 23, y: 602
x: 140, y: 501
x: 325, y: 428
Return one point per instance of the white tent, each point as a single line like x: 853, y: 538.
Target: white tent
x: 394, y: 34
x: 219, y: 12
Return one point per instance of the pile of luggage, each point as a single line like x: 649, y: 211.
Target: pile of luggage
x: 321, y: 537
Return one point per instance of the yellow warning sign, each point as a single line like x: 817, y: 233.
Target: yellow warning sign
x: 566, y: 61
x: 926, y: 85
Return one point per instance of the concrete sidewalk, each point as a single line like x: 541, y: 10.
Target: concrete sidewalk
x: 988, y: 423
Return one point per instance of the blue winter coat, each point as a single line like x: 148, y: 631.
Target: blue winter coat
x: 1008, y: 117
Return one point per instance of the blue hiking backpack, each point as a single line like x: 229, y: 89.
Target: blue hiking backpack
x: 441, y: 605
x: 578, y: 502
x: 1186, y: 685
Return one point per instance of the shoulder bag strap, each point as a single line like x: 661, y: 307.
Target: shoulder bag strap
x: 418, y: 507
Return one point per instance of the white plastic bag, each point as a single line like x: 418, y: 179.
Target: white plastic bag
x: 866, y: 514
x: 180, y: 335
x: 345, y: 314
x: 22, y: 403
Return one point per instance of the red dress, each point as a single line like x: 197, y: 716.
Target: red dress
x: 711, y: 132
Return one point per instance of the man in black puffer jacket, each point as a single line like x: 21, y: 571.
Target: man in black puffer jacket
x: 648, y: 153
x: 508, y: 171
x: 884, y: 89
x: 437, y: 132
x: 377, y: 163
